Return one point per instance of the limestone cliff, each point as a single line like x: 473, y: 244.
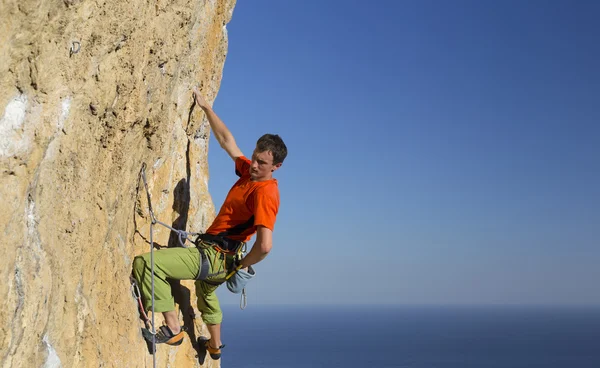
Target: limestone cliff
x: 89, y: 91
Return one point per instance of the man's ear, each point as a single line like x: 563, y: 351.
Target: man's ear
x: 276, y: 167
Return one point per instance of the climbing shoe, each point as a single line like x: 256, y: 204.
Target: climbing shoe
x: 164, y: 335
x: 215, y: 353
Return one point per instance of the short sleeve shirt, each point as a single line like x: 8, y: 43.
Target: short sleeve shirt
x: 247, y: 205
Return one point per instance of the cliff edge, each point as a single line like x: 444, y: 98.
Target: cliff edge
x: 90, y: 91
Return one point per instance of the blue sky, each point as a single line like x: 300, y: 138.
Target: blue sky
x: 439, y: 152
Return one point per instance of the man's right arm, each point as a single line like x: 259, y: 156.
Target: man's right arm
x: 262, y: 246
x: 222, y: 134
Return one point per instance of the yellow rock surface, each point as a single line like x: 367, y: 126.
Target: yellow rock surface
x: 89, y: 91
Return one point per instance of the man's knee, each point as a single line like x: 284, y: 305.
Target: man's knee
x: 139, y: 264
x: 211, y: 317
x: 208, y: 303
x: 211, y: 310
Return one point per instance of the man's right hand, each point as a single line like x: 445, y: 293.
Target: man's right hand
x: 200, y: 101
x: 221, y: 133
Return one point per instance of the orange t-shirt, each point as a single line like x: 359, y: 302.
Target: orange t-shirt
x: 248, y: 204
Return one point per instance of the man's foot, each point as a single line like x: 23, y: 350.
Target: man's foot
x: 164, y: 335
x: 175, y: 330
x: 215, y: 353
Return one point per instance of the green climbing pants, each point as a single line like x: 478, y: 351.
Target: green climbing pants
x: 182, y: 264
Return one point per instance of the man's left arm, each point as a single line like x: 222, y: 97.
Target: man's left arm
x: 262, y: 246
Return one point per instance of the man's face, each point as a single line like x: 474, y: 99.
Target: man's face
x: 262, y: 166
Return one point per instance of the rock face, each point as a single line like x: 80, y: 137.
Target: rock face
x: 89, y: 91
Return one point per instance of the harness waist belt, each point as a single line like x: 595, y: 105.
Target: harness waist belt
x: 222, y: 242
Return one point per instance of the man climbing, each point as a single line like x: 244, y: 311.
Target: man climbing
x: 250, y: 208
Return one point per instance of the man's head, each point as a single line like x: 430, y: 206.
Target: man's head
x: 267, y: 157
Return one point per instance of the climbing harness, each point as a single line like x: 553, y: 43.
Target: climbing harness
x: 237, y: 249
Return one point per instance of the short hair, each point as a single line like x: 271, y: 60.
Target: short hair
x: 273, y: 143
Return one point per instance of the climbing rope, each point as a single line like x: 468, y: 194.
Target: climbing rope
x: 152, y: 222
x: 182, y: 235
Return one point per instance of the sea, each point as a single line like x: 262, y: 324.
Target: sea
x: 347, y: 336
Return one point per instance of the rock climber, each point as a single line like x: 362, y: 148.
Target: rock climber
x: 250, y: 208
